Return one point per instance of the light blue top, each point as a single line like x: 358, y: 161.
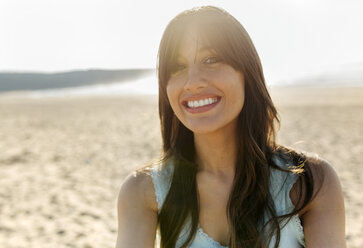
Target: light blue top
x: 292, y: 235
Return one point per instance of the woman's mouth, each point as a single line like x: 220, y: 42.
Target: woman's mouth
x: 201, y: 105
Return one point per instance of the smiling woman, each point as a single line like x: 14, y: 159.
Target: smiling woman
x: 222, y: 180
x: 204, y: 92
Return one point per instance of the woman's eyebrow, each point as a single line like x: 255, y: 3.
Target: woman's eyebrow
x: 202, y: 49
x: 206, y: 48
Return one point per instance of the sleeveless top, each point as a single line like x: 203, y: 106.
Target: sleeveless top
x: 291, y: 236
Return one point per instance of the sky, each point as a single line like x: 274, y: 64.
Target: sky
x: 293, y: 38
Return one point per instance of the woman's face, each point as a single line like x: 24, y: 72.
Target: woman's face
x: 205, y: 94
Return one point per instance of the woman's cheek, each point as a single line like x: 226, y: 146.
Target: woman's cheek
x: 172, y: 96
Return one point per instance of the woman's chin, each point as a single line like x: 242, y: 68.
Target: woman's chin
x: 211, y: 126
x: 202, y: 129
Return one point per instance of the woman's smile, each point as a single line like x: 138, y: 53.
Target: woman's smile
x: 200, y: 104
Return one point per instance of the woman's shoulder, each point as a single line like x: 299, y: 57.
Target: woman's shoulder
x: 150, y: 182
x: 324, y: 176
x: 322, y: 172
x: 320, y: 176
x: 303, y: 162
x: 324, y: 215
x: 136, y: 211
x: 138, y: 187
x: 309, y: 171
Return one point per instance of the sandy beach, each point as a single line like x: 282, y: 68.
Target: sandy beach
x: 63, y: 159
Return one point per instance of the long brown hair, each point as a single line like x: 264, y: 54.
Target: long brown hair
x: 250, y: 197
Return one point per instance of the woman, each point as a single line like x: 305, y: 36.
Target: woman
x: 222, y: 180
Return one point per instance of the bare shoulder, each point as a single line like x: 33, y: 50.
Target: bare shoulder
x: 325, y: 182
x: 136, y: 211
x: 324, y: 177
x: 323, y: 217
x: 138, y: 187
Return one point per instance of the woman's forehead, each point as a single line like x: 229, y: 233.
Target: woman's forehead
x: 193, y: 42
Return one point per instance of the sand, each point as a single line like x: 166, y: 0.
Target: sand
x: 63, y: 159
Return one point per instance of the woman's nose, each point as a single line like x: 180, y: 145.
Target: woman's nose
x: 195, y: 80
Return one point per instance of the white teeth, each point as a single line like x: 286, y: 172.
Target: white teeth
x: 200, y: 103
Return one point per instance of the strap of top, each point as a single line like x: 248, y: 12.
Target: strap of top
x: 161, y: 175
x: 281, y: 184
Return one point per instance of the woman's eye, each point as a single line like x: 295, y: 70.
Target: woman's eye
x: 211, y: 60
x: 178, y: 67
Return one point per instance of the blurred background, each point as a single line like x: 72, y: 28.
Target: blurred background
x: 78, y: 104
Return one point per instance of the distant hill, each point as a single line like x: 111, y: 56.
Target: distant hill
x: 37, y: 81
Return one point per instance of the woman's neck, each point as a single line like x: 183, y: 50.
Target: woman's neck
x: 216, y: 152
